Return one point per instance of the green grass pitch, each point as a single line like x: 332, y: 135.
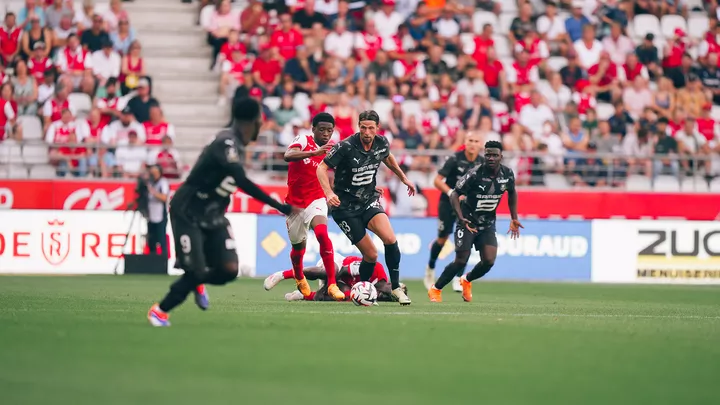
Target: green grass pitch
x: 85, y: 340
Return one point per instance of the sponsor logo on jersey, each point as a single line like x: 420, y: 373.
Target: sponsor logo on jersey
x: 502, y: 181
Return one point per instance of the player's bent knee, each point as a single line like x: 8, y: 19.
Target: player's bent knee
x: 371, y: 257
x: 442, y: 240
x: 230, y: 271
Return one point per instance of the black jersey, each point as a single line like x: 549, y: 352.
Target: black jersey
x: 456, y: 166
x: 483, y: 192
x: 356, y: 171
x: 217, y: 174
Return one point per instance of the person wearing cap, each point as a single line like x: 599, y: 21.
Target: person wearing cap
x: 576, y: 22
x: 10, y: 34
x: 141, y: 103
x: 96, y: 37
x: 118, y: 131
x: 105, y: 63
x: 36, y: 34
x: 39, y: 63
x: 31, y: 9
x: 674, y: 50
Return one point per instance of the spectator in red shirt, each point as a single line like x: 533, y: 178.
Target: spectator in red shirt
x: 233, y: 75
x: 10, y: 35
x: 233, y: 44
x: 167, y: 157
x: 287, y: 39
x: 254, y: 19
x: 266, y: 69
x: 483, y: 43
x: 604, y: 75
x: 494, y: 76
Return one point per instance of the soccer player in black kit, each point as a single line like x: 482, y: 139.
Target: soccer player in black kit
x: 455, y: 167
x: 204, y: 243
x: 483, y: 188
x: 355, y: 200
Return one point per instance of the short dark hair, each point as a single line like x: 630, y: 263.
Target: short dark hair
x: 369, y: 115
x: 493, y: 144
x: 323, y: 117
x: 246, y: 109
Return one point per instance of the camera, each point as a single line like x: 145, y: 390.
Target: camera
x: 142, y: 195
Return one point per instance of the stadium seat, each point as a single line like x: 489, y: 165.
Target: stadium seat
x: 556, y: 181
x: 468, y: 43
x: 35, y: 153
x: 14, y: 6
x: 504, y: 23
x: 419, y: 178
x: 502, y: 46
x: 715, y: 112
x: 480, y: 18
x: 669, y: 23
x: 273, y: 103
x: 692, y: 184
x: 604, y: 111
x: 715, y: 185
x: 81, y: 102
x: 32, y: 127
x: 206, y: 16
x: 383, y: 107
x: 556, y: 63
x: 498, y: 107
x: 697, y: 26
x: 450, y: 59
x: 42, y: 172
x: 694, y: 5
x: 636, y: 182
x: 411, y: 107
x: 666, y: 184
x: 14, y: 172
x: 10, y: 153
x: 646, y: 23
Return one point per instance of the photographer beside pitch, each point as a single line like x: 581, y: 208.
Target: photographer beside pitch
x: 158, y: 190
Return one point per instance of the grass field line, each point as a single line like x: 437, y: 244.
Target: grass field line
x: 368, y: 311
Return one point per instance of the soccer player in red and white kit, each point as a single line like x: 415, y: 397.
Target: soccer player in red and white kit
x: 304, y: 155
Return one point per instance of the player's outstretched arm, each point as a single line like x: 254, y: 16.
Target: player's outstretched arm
x: 322, y: 175
x: 295, y: 154
x: 229, y: 157
x: 393, y: 165
x: 515, y: 225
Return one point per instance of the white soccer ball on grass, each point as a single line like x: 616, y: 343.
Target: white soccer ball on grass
x: 363, y: 294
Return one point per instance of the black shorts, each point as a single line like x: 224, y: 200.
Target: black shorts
x: 446, y: 218
x: 466, y: 240
x: 199, y: 248
x: 354, y: 224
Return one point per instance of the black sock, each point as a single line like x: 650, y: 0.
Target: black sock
x: 434, y: 253
x: 447, y: 275
x: 366, y: 270
x: 179, y: 291
x: 480, y: 269
x: 392, y: 260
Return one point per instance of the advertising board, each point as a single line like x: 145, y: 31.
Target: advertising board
x: 76, y: 242
x: 670, y: 252
x: 547, y: 249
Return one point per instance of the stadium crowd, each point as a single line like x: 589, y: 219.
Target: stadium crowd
x: 591, y: 90
x: 555, y: 83
x: 73, y: 74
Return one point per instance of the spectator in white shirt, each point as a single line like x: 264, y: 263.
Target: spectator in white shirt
x: 638, y: 149
x: 552, y: 30
x: 557, y: 94
x: 131, y: 155
x: 387, y: 20
x: 448, y: 29
x: 119, y: 131
x: 106, y: 63
x: 46, y: 89
x: 617, y: 45
x: 340, y: 41
x: 588, y: 48
x: 690, y: 141
x: 534, y: 115
x: 59, y: 131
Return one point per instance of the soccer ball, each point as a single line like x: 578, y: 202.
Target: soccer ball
x: 363, y: 294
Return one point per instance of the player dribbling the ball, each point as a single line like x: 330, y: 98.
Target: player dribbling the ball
x: 355, y: 201
x: 483, y: 188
